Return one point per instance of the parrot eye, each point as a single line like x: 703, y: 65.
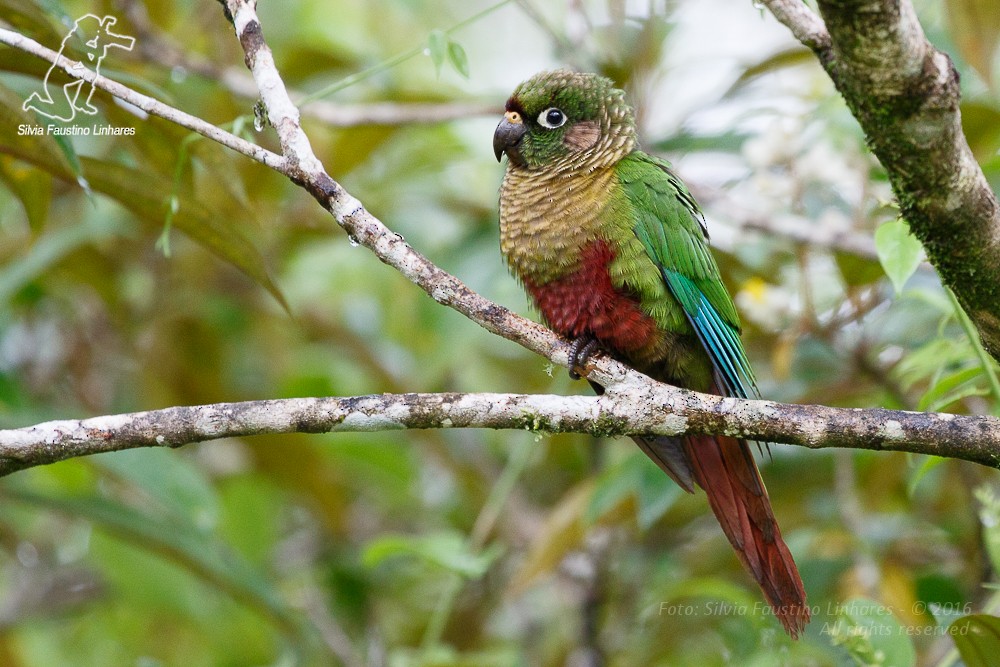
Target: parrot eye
x: 551, y: 118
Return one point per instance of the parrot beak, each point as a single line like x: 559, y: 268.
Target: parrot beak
x: 508, y: 137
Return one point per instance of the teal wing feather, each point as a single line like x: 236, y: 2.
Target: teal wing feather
x: 671, y: 228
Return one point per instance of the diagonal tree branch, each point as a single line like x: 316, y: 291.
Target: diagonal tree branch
x: 148, y: 104
x: 905, y: 95
x: 304, y: 168
x: 633, y: 403
x: 802, y: 21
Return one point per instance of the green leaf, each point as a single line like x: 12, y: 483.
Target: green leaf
x: 989, y: 518
x: 147, y: 196
x: 31, y: 186
x: 685, y: 141
x: 656, y: 494
x: 871, y: 634
x: 793, y: 57
x: 928, y: 360
x: 929, y: 464
x: 48, y: 250
x: 171, y: 480
x: 458, y: 59
x: 142, y: 192
x: 857, y: 271
x: 951, y: 388
x: 196, y: 551
x: 448, y: 550
x: 437, y: 48
x: 981, y: 126
x: 975, y: 29
x: 718, y: 588
x: 29, y: 19
x: 65, y: 145
x: 898, y: 251
x: 613, y: 486
x: 41, y: 151
x: 977, y: 638
x: 635, y: 477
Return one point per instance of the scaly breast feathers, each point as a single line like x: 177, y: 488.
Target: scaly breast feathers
x: 546, y: 219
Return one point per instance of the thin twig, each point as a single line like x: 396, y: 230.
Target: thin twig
x: 632, y: 403
x: 144, y: 102
x: 807, y: 27
x: 236, y: 80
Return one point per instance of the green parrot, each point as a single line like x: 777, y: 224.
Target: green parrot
x: 613, y: 250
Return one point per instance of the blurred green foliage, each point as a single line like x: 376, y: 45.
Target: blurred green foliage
x: 159, y: 269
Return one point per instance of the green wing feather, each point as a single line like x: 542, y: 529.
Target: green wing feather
x: 669, y: 224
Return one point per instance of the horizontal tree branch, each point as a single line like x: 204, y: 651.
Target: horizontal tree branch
x: 391, y: 113
x: 635, y: 405
x: 814, y: 236
x: 632, y: 404
x: 158, y: 49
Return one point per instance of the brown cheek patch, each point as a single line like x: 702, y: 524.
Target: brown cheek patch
x: 582, y: 136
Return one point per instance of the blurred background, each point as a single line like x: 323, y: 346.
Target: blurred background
x: 160, y: 269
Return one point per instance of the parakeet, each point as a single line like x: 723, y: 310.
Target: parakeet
x: 613, y: 250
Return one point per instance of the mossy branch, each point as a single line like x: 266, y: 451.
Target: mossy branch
x: 632, y: 403
x: 905, y: 95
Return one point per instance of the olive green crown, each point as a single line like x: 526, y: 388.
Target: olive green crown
x: 583, y: 98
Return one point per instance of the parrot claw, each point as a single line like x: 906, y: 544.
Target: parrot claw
x: 583, y: 348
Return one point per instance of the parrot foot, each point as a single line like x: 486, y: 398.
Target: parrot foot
x: 582, y: 349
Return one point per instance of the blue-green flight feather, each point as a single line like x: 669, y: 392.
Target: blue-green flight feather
x: 670, y: 226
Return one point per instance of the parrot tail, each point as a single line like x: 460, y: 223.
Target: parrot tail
x: 724, y: 467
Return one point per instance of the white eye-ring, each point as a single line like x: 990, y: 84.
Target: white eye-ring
x: 552, y: 118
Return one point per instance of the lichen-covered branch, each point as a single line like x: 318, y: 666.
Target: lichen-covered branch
x: 300, y: 164
x: 365, y: 229
x: 144, y: 102
x: 804, y: 24
x: 632, y: 406
x: 905, y: 95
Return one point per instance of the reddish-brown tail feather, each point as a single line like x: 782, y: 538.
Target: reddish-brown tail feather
x: 725, y: 469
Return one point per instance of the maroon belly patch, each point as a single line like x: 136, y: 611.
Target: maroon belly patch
x: 585, y: 302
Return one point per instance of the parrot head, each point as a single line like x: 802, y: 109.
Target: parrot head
x: 563, y: 118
